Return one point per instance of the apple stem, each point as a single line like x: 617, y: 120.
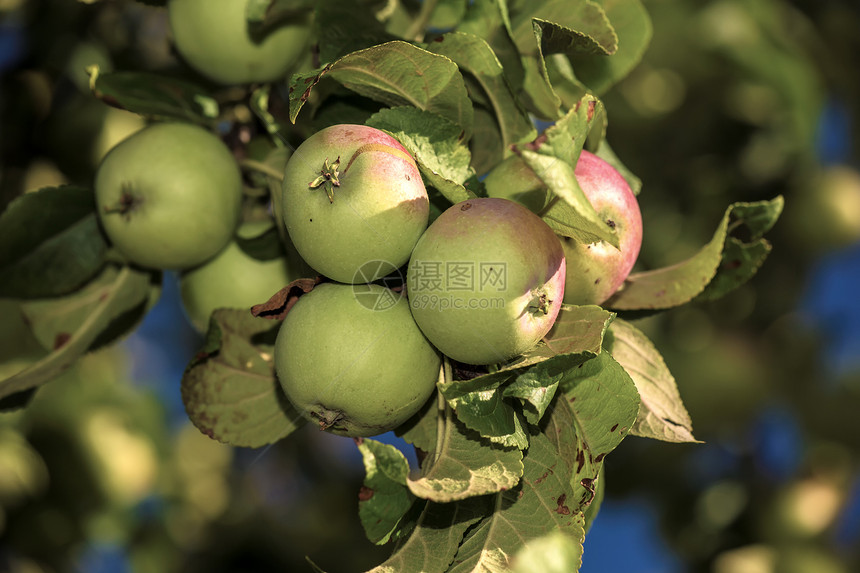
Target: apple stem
x: 329, y: 178
x: 126, y: 204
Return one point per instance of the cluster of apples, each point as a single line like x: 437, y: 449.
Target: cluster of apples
x: 485, y: 280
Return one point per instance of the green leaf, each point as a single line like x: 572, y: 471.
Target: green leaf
x: 482, y: 408
x: 662, y: 414
x: 115, y: 292
x: 51, y: 320
x: 155, y: 95
x: 740, y: 262
x: 489, y: 19
x: 338, y: 35
x: 561, y: 79
x: 553, y: 157
x: 486, y: 142
x: 567, y: 27
x: 554, y: 552
x: 437, y: 531
x: 577, y: 336
x: 259, y: 104
x: 395, y: 74
x: 50, y: 243
x: 631, y: 23
x: 474, y: 56
x: 544, y: 33
x: 420, y: 429
x: 435, y: 143
x: 577, y: 330
x: 229, y: 389
x: 538, y: 95
x: 465, y: 466
x: 535, y: 390
x: 266, y: 246
x: 543, y: 502
x: 268, y: 14
x: 384, y: 498
x: 605, y: 152
x: 718, y: 267
x: 603, y: 404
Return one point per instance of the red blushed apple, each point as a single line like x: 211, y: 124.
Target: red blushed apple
x: 486, y: 280
x: 595, y: 271
x: 354, y: 199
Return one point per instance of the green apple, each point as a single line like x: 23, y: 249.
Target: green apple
x: 213, y: 36
x: 169, y: 196
x: 351, y: 359
x: 595, y: 271
x: 354, y: 200
x: 486, y: 280
x: 235, y: 279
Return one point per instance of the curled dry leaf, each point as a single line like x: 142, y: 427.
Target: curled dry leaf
x: 277, y: 307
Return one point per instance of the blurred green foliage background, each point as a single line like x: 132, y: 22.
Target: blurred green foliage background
x: 736, y: 100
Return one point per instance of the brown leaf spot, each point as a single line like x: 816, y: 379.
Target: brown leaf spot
x: 590, y: 114
x: 580, y: 460
x: 61, y: 339
x: 537, y: 143
x: 732, y: 265
x: 562, y: 509
x: 613, y: 428
x: 365, y: 493
x: 588, y: 484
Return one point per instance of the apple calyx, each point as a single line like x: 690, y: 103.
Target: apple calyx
x: 329, y: 178
x: 327, y: 418
x: 539, y: 304
x: 127, y: 203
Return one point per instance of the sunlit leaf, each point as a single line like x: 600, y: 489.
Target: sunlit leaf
x: 662, y: 414
x: 395, y: 73
x: 474, y: 56
x: 719, y: 266
x: 435, y: 143
x: 465, y: 466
